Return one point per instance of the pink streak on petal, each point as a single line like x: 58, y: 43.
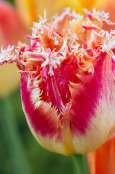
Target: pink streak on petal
x: 41, y: 121
x: 85, y: 101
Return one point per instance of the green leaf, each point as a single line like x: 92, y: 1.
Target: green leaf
x: 13, y: 140
x: 11, y: 1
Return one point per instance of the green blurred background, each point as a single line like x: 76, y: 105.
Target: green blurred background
x: 40, y: 161
x: 19, y: 151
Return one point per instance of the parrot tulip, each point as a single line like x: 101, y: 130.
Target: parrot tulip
x: 68, y: 81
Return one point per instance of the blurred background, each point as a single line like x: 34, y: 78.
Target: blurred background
x: 19, y: 145
x: 19, y: 151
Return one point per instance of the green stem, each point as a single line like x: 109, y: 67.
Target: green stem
x: 13, y: 139
x: 81, y: 164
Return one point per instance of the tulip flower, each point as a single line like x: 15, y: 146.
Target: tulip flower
x: 11, y: 30
x: 67, y: 81
x: 102, y: 160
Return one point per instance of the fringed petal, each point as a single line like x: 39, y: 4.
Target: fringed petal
x: 43, y: 121
x: 93, y: 106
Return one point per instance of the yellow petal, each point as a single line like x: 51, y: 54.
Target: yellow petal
x: 29, y: 12
x: 52, y: 6
x: 55, y: 6
x: 87, y: 3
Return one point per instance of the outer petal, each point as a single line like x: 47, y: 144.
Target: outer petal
x: 42, y: 121
x: 103, y: 159
x: 11, y: 29
x: 93, y: 112
x: 89, y: 122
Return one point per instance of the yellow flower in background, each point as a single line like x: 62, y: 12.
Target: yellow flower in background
x: 32, y: 8
x: 11, y: 30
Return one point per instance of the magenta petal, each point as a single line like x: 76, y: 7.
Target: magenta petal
x: 85, y: 99
x: 41, y: 121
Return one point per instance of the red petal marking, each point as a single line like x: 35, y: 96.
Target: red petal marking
x: 43, y: 121
x: 89, y: 28
x: 85, y: 99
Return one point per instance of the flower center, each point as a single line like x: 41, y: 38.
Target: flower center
x: 63, y: 52
x: 56, y: 87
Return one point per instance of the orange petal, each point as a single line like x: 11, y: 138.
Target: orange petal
x: 107, y: 6
x: 102, y: 160
x: 87, y: 4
